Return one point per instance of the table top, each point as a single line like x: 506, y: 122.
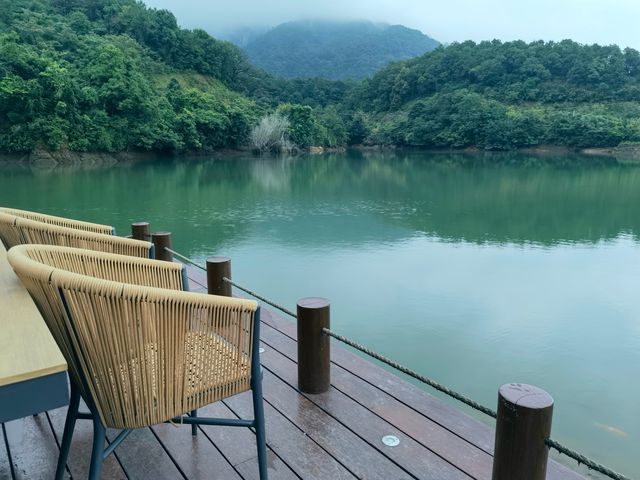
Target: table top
x: 27, y: 349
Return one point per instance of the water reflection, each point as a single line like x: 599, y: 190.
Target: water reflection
x: 475, y: 269
x: 473, y: 198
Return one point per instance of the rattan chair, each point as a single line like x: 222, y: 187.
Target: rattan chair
x: 19, y: 227
x: 139, y: 350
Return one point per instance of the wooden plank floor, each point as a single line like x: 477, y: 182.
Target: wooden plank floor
x: 335, y: 435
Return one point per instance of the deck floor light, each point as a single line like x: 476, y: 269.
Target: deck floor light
x: 391, y: 440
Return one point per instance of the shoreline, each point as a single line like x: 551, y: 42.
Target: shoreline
x: 46, y: 159
x: 627, y: 152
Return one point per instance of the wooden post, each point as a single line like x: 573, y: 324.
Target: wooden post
x: 314, y: 373
x: 162, y: 240
x: 522, y: 426
x: 217, y: 268
x: 141, y: 231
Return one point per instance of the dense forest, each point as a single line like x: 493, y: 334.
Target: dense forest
x: 337, y: 50
x: 497, y: 95
x: 113, y: 75
x: 110, y: 76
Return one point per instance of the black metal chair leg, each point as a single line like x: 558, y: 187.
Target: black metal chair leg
x: 97, y: 452
x: 256, y: 391
x: 194, y: 427
x: 261, y: 439
x: 67, y: 435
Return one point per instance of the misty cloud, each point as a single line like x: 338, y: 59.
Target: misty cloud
x: 585, y: 21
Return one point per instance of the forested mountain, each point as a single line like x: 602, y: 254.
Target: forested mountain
x: 113, y: 75
x: 497, y: 95
x: 334, y: 49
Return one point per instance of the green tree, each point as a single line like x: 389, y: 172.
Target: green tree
x: 357, y: 129
x: 302, y: 123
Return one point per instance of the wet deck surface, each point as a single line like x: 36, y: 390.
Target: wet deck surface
x: 334, y: 435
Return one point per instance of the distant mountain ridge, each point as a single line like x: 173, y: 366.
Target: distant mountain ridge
x: 336, y: 50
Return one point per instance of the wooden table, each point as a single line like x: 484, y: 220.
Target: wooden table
x: 33, y: 374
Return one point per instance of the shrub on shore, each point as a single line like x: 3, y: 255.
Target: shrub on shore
x: 270, y: 135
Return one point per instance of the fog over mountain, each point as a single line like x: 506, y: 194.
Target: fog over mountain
x: 585, y: 21
x: 336, y: 50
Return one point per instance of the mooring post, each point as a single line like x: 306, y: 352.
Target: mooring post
x: 140, y: 231
x: 162, y: 241
x: 314, y: 372
x: 219, y: 268
x: 522, y: 426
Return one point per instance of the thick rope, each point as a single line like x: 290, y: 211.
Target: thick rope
x: 185, y: 259
x: 259, y: 297
x: 432, y: 383
x: 581, y: 459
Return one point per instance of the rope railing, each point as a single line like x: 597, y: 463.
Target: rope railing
x: 260, y: 297
x: 584, y: 460
x: 432, y: 383
x: 551, y: 443
x: 185, y: 258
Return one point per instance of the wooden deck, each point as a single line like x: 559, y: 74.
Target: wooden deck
x: 335, y: 435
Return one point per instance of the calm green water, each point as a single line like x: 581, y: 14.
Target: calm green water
x: 475, y: 270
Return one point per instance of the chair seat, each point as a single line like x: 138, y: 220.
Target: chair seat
x: 211, y: 369
x: 218, y: 372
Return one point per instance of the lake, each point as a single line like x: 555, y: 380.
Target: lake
x: 475, y: 270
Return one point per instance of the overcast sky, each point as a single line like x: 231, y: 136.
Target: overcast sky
x: 586, y: 21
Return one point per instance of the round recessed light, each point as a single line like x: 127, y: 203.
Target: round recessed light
x: 391, y: 440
